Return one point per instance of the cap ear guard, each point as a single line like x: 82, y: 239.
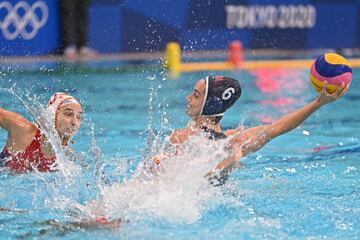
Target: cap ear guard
x: 206, y: 95
x: 213, y: 107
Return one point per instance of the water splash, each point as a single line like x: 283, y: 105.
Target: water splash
x: 176, y: 190
x: 37, y: 110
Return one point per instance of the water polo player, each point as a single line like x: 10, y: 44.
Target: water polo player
x: 210, y: 99
x: 27, y: 149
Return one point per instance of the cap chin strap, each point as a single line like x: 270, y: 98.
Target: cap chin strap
x: 205, y: 98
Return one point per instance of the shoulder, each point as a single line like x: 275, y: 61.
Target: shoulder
x: 231, y: 132
x: 26, y: 127
x: 235, y: 131
x: 239, y: 135
x: 20, y: 137
x: 12, y: 121
x: 25, y: 131
x: 180, y: 136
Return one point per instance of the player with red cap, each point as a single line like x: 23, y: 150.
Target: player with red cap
x: 27, y: 148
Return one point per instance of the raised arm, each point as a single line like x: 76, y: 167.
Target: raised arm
x: 13, y: 122
x: 255, y: 138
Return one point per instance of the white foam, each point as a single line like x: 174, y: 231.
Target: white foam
x: 176, y: 190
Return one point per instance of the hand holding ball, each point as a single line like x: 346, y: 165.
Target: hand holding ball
x: 332, y: 68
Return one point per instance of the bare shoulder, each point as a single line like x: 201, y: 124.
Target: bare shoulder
x: 231, y: 132
x: 23, y: 125
x: 234, y: 131
x: 180, y: 136
x: 237, y: 134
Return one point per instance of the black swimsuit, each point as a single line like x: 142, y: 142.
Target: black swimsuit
x: 213, y: 135
x: 3, y: 157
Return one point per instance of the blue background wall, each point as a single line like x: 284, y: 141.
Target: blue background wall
x: 147, y: 25
x: 47, y: 37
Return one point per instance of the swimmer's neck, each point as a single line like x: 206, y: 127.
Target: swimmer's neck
x: 197, y: 122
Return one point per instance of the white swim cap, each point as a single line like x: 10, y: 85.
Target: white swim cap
x: 56, y: 101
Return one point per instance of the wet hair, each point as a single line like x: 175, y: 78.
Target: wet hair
x: 218, y: 119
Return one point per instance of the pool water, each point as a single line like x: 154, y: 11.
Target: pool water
x: 303, y: 185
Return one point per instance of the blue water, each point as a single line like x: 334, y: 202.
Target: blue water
x: 303, y: 185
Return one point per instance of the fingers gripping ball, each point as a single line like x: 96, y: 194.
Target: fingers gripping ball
x: 332, y: 68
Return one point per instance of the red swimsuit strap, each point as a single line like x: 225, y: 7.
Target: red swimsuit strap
x: 33, y: 145
x: 34, y: 148
x: 32, y: 156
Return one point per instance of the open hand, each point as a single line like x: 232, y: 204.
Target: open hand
x: 325, y: 97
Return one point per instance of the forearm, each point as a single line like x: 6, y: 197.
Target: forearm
x: 294, y: 119
x: 255, y: 138
x: 2, y: 118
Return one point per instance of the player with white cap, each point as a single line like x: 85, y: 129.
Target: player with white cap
x: 27, y: 148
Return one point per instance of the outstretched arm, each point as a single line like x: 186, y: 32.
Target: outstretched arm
x: 255, y: 138
x: 251, y: 140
